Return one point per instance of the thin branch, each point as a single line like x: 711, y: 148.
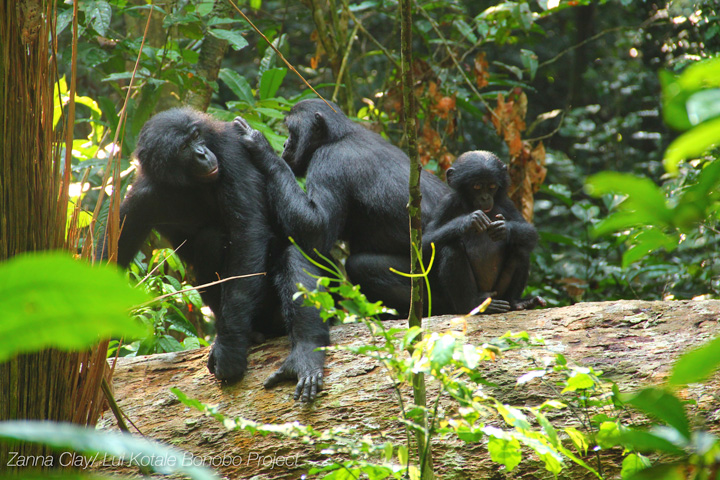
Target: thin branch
x: 344, y: 62
x: 190, y: 289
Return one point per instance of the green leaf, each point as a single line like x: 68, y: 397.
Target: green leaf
x: 633, y: 463
x: 548, y: 428
x: 98, y: 14
x: 578, y: 439
x: 50, y: 300
x: 644, y: 441
x: 644, y: 199
x: 505, y: 452
x: 696, y: 365
x: 673, y: 471
x: 692, y: 144
x: 402, y: 453
x: 271, y: 81
x: 608, y: 435
x: 579, y: 381
x: 90, y: 441
x: 235, y: 39
x: 648, y: 240
x: 442, y: 352
x: 663, y: 406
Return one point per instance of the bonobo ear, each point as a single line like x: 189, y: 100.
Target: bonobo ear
x: 448, y: 175
x: 321, y: 122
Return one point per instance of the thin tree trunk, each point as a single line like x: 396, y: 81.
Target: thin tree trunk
x: 212, y: 53
x: 415, y: 213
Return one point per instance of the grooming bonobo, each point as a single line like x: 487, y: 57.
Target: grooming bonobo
x: 483, y: 242
x: 357, y: 191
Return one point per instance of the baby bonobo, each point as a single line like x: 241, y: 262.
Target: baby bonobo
x: 483, y: 242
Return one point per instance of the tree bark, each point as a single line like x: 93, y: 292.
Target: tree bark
x: 633, y: 342
x: 48, y: 385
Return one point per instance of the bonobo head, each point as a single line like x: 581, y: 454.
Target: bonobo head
x: 480, y: 178
x: 174, y: 148
x: 311, y: 124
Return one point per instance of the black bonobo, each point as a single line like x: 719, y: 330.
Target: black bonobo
x: 197, y: 188
x: 483, y: 242
x: 357, y: 191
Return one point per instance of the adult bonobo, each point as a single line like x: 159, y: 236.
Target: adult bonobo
x: 483, y: 242
x: 357, y: 190
x: 197, y: 187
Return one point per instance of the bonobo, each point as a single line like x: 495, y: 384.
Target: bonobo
x: 197, y: 188
x: 483, y: 243
x: 357, y: 191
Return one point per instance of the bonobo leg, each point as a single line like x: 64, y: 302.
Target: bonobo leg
x: 306, y: 329
x: 372, y: 272
x: 460, y: 293
x: 513, y: 280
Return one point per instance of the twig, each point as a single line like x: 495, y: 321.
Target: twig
x: 282, y: 57
x: 222, y: 280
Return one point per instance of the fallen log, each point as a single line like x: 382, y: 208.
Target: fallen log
x: 633, y: 342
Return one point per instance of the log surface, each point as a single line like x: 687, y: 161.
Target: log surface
x: 633, y: 342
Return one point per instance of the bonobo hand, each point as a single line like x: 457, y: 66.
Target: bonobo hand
x: 479, y: 221
x: 226, y: 362
x: 497, y: 229
x: 305, y: 365
x: 251, y: 138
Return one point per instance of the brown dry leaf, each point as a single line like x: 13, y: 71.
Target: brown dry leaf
x: 481, y: 70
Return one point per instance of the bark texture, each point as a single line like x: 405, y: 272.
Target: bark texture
x: 633, y: 342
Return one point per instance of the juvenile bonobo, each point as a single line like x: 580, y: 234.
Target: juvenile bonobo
x: 197, y: 187
x: 483, y: 242
x: 357, y: 191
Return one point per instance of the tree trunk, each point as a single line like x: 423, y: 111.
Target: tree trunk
x: 634, y: 343
x: 48, y: 385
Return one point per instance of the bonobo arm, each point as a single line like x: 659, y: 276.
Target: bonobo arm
x: 520, y: 233
x: 136, y: 221
x: 450, y: 222
x: 314, y: 219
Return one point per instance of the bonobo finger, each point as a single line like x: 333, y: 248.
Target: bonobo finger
x: 242, y: 124
x: 500, y: 216
x: 498, y: 306
x: 300, y: 392
x: 278, y: 377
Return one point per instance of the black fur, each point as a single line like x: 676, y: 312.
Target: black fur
x: 357, y: 191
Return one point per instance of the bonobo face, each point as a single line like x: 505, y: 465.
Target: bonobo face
x: 479, y: 178
x: 483, y: 195
x: 200, y: 161
x: 175, y: 148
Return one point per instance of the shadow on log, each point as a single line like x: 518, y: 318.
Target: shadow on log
x: 633, y: 342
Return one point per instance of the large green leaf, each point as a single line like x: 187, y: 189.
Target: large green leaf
x: 122, y: 446
x: 270, y: 82
x: 51, y: 300
x: 692, y: 143
x: 696, y: 365
x: 663, y: 406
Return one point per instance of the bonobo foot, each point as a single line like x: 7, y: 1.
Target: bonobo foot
x: 528, y: 303
x: 496, y: 305
x: 227, y: 363
x: 305, y: 365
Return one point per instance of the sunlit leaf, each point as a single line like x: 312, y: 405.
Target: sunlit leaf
x: 696, y: 365
x: 50, y: 300
x: 663, y: 406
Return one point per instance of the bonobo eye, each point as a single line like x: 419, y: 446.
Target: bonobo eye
x: 477, y: 186
x: 493, y: 186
